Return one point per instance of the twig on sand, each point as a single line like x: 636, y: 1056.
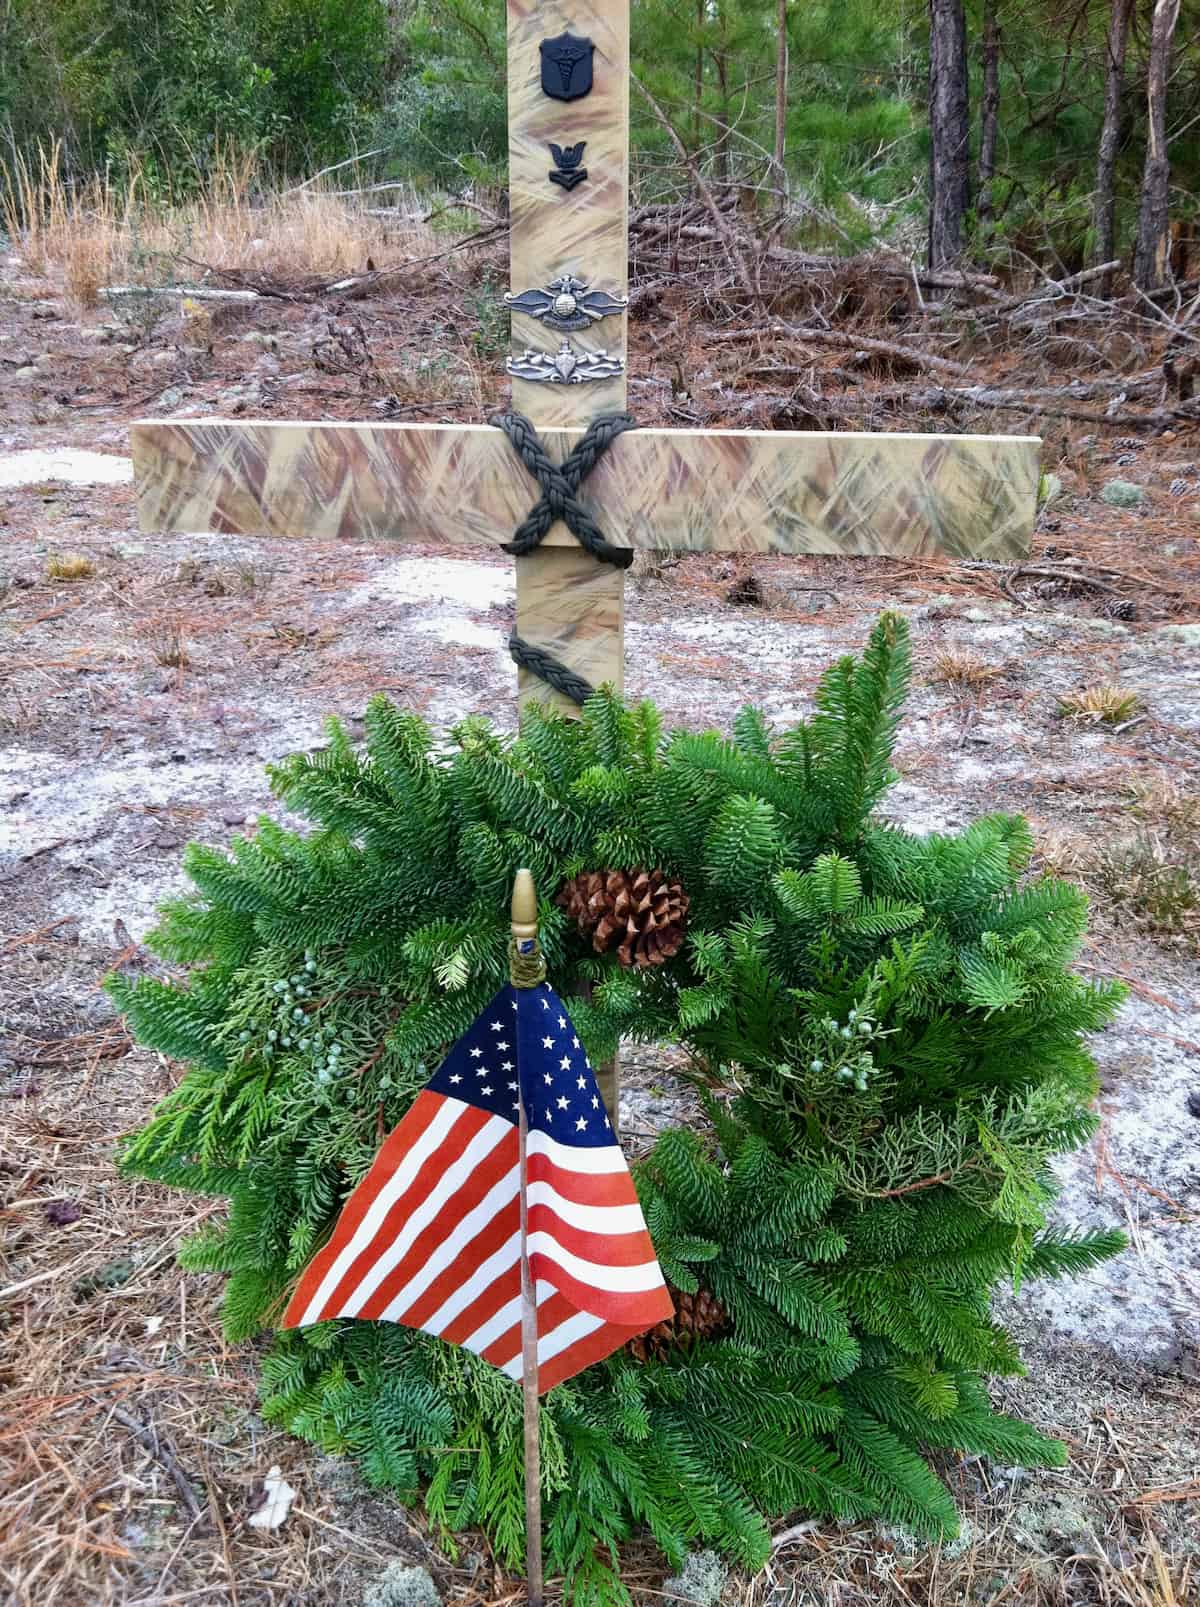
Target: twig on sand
x: 164, y: 1455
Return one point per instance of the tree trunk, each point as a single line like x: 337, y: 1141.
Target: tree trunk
x: 1105, y: 209
x: 697, y: 118
x: 949, y: 130
x: 721, y: 153
x: 1150, y: 265
x: 781, y: 88
x: 989, y: 115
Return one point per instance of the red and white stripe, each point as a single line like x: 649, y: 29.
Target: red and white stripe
x: 431, y: 1239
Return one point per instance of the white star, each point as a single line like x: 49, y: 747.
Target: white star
x: 562, y: 1102
x: 546, y: 1077
x: 562, y: 1021
x: 547, y: 1043
x: 476, y: 1054
x: 581, y: 1082
x: 516, y: 1102
x: 574, y: 1043
x: 506, y: 1065
x: 481, y: 1071
x: 595, y: 1101
x: 514, y: 1004
x: 485, y: 1090
x: 456, y: 1078
x: 549, y: 1116
x: 501, y: 1045
x: 565, y: 1063
x: 545, y: 1004
x: 497, y: 1026
x: 581, y: 1124
x: 511, y: 1086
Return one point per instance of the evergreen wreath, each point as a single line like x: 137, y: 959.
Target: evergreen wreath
x: 886, y: 1036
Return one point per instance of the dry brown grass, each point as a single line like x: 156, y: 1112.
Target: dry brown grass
x: 1063, y: 852
x: 69, y: 566
x: 1105, y: 704
x: 168, y: 643
x: 100, y: 234
x: 962, y: 669
x: 1164, y: 805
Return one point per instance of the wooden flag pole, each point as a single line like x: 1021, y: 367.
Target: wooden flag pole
x: 525, y: 967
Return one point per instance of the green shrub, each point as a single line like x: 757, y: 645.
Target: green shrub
x: 884, y: 1028
x: 164, y: 88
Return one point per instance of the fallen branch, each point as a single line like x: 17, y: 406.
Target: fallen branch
x: 1019, y: 402
x: 847, y: 341
x: 362, y: 284
x: 1073, y: 576
x: 178, y: 292
x: 1052, y: 289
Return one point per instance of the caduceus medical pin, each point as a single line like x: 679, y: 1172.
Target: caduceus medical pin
x: 567, y: 66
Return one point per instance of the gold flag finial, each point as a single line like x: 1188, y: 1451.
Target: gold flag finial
x: 524, y: 908
x: 525, y: 964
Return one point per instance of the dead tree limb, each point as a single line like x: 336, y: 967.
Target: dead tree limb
x: 720, y: 222
x: 175, y: 293
x: 847, y: 341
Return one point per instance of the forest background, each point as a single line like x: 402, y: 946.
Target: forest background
x: 1067, y: 134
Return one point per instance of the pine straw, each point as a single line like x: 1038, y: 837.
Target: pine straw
x: 130, y: 1444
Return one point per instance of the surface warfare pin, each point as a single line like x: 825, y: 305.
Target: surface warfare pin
x: 566, y: 66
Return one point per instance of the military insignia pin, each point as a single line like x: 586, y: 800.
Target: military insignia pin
x: 567, y: 170
x: 567, y: 66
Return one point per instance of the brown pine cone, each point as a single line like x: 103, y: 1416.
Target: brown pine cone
x: 642, y: 912
x: 698, y: 1316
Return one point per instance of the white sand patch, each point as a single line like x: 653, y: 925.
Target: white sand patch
x: 1138, y: 1174
x: 438, y: 598
x: 95, y: 816
x: 462, y: 581
x: 69, y: 464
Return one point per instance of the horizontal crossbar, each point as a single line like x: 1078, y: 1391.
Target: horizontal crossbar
x: 670, y: 490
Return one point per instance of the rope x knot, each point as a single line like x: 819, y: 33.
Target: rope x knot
x: 558, y: 500
x: 559, y: 485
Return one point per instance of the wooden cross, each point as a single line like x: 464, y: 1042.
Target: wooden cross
x: 669, y: 489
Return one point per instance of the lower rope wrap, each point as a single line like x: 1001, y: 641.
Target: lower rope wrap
x: 559, y: 501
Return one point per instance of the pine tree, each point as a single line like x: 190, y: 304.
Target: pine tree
x: 886, y: 1034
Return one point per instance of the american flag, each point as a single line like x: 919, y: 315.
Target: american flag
x: 431, y: 1237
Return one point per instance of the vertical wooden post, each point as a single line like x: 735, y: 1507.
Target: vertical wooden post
x: 567, y: 602
x: 524, y: 933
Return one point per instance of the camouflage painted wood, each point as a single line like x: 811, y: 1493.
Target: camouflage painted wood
x: 566, y: 601
x: 671, y: 490
x: 581, y: 231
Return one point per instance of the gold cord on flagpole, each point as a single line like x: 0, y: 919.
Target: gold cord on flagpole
x: 526, y: 970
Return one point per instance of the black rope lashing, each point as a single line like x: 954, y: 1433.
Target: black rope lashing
x: 549, y: 669
x: 559, y: 484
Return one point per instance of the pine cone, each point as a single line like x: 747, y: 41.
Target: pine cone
x: 641, y: 911
x: 698, y: 1316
